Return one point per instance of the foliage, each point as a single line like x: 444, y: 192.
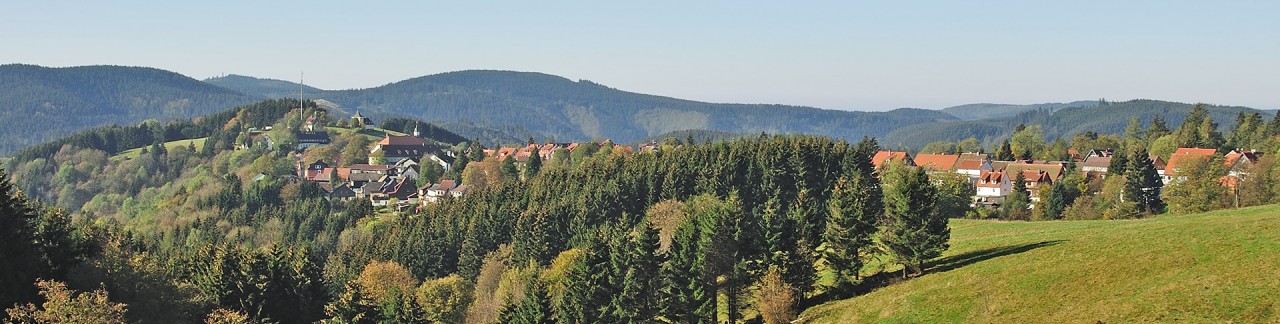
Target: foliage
x: 913, y: 232
x: 62, y: 305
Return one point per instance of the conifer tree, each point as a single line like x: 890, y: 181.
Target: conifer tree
x: 913, y: 232
x: 1143, y: 184
x: 534, y: 165
x: 1119, y: 163
x: 1015, y: 205
x: 534, y: 308
x: 1005, y: 152
x: 855, y: 215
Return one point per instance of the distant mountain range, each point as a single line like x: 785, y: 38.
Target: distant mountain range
x: 38, y: 104
x: 502, y: 107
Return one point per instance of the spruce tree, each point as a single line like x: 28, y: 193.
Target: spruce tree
x: 1004, y: 152
x: 913, y: 232
x: 855, y: 215
x: 534, y: 165
x: 1119, y: 163
x: 1143, y: 184
x: 19, y: 272
x: 1015, y: 205
x: 534, y: 308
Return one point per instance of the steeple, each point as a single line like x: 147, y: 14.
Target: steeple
x: 415, y: 131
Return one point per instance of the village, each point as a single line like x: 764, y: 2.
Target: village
x: 391, y: 176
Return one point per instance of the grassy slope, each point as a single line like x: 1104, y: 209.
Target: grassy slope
x: 133, y: 153
x: 1213, y: 267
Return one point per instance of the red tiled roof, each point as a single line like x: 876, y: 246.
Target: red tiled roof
x: 990, y: 179
x: 969, y: 165
x: 1236, y: 156
x: 937, y: 162
x: 884, y: 156
x: 1184, y: 153
x: 401, y: 140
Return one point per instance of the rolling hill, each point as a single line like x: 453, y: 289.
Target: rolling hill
x: 1212, y: 267
x: 38, y: 104
x: 988, y: 110
x: 1106, y: 118
x: 262, y: 88
x: 566, y: 110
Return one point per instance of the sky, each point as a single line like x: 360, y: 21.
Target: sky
x: 850, y: 55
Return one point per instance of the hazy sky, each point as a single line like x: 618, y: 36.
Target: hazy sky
x: 841, y: 55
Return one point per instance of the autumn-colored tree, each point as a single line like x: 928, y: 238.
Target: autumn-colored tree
x: 63, y: 305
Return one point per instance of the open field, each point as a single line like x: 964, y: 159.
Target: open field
x: 133, y: 153
x: 1221, y: 266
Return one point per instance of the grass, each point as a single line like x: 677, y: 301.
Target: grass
x: 1220, y: 266
x: 133, y: 153
x: 375, y: 134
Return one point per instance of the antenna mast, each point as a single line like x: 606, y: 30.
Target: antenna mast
x: 302, y: 108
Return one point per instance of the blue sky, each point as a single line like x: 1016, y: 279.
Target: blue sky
x: 841, y: 55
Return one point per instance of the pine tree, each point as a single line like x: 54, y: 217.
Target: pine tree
x: 1119, y: 163
x: 1143, y: 184
x: 534, y: 308
x: 534, y: 165
x: 855, y: 215
x: 1005, y: 152
x: 913, y: 232
x: 1157, y: 128
x: 20, y: 271
x: 1015, y: 205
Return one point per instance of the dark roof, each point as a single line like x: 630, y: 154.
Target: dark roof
x: 321, y: 137
x: 342, y: 192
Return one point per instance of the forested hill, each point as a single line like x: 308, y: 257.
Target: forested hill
x: 38, y: 104
x: 566, y: 110
x: 987, y: 110
x: 264, y: 88
x: 1107, y: 118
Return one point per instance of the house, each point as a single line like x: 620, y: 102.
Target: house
x: 992, y: 187
x: 1034, y: 180
x: 316, y: 171
x: 1182, y: 155
x: 435, y: 192
x: 973, y: 164
x: 937, y: 163
x: 1055, y: 170
x: 308, y: 139
x: 361, y: 121
x: 883, y: 157
x: 396, y: 148
x: 1238, y: 161
x: 1160, y: 165
x: 342, y: 192
x: 1096, y: 164
x: 406, y: 169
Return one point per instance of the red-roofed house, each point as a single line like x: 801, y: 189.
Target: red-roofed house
x: 1238, y: 161
x: 1182, y: 155
x: 937, y: 163
x: 992, y: 187
x: 885, y: 156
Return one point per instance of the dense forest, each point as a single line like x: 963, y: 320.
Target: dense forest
x: 42, y: 104
x: 1056, y: 122
x: 753, y: 228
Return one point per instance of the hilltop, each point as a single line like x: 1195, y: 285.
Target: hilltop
x: 1107, y: 118
x: 1211, y: 267
x: 38, y: 104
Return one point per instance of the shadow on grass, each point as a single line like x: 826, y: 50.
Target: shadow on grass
x: 885, y: 279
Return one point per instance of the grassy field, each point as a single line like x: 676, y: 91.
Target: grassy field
x: 1215, y: 267
x: 133, y: 153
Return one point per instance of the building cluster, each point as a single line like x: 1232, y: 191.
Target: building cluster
x: 549, y: 150
x: 992, y: 180
x: 390, y: 176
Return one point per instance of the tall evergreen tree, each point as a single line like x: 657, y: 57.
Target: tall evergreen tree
x: 913, y: 232
x: 1005, y: 152
x: 534, y: 165
x: 1143, y: 184
x: 855, y: 215
x: 1016, y: 203
x: 1119, y: 163
x: 534, y: 308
